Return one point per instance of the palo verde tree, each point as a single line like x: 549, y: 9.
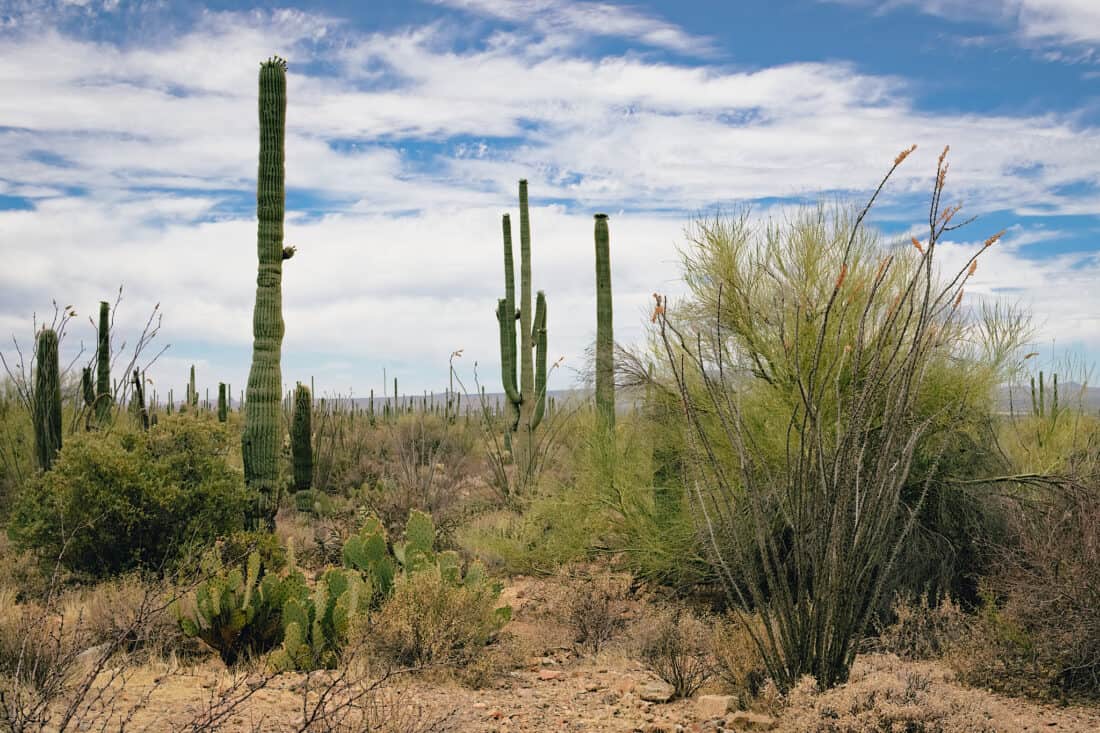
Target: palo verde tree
x: 815, y: 371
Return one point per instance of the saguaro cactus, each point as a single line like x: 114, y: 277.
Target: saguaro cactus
x: 605, y: 339
x: 527, y: 398
x: 46, y: 402
x: 301, y: 448
x: 223, y: 406
x: 104, y: 398
x: 137, y: 401
x: 262, y: 436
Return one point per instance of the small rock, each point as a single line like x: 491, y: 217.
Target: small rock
x: 550, y: 674
x: 496, y: 714
x: 714, y: 706
x: 656, y: 691
x: 744, y: 720
x: 593, y: 687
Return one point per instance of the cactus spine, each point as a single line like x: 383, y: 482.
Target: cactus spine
x: 605, y: 339
x: 47, y: 399
x: 527, y: 398
x: 262, y: 436
x: 103, y: 394
x: 301, y: 449
x: 223, y: 407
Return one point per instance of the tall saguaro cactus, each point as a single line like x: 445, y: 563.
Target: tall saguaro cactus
x: 301, y: 447
x: 223, y: 402
x: 527, y: 398
x: 104, y: 398
x: 605, y: 339
x: 46, y: 399
x: 262, y: 436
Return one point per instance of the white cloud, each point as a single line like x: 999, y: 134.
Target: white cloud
x: 565, y: 23
x: 414, y: 150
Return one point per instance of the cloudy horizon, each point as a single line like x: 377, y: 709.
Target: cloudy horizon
x: 130, y: 139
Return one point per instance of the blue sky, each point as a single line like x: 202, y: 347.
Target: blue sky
x: 128, y: 156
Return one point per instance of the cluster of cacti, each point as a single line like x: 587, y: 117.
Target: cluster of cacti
x: 301, y: 444
x: 240, y: 613
x: 46, y: 399
x: 104, y: 397
x: 605, y: 339
x: 1039, y: 407
x: 262, y: 438
x: 316, y: 626
x: 527, y: 398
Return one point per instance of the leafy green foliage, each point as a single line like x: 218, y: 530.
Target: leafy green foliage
x: 121, y: 500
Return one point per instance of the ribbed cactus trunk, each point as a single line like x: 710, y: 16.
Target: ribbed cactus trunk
x: 526, y: 400
x: 223, y: 405
x: 526, y: 365
x: 137, y: 401
x: 87, y: 391
x: 605, y: 339
x: 262, y: 436
x: 301, y: 447
x: 192, y: 391
x: 46, y: 400
x: 104, y: 397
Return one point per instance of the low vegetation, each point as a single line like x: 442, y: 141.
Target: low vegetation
x: 806, y: 503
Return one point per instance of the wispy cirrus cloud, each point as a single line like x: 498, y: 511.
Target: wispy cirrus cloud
x: 564, y: 23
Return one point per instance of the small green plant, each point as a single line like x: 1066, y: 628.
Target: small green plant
x: 316, y: 627
x: 368, y: 553
x: 238, y: 612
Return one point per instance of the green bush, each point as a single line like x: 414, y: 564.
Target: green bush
x: 432, y: 619
x: 123, y: 500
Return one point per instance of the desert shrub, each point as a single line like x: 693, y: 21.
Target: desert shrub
x: 431, y: 620
x: 594, y: 606
x: 737, y: 660
x: 130, y: 611
x: 823, y: 377
x: 921, y: 629
x: 1039, y: 632
x: 883, y: 695
x: 676, y: 645
x: 122, y: 500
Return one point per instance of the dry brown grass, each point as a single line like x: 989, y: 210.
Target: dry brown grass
x: 886, y: 694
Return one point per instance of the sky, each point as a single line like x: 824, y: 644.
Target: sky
x: 128, y: 155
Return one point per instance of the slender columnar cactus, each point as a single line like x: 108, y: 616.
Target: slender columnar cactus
x: 87, y: 387
x: 605, y: 339
x: 301, y: 449
x: 527, y: 398
x: 192, y: 393
x: 223, y: 407
x: 47, y: 399
x: 104, y: 397
x: 262, y: 436
x: 137, y: 401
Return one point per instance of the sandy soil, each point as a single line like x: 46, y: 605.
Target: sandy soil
x: 552, y: 688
